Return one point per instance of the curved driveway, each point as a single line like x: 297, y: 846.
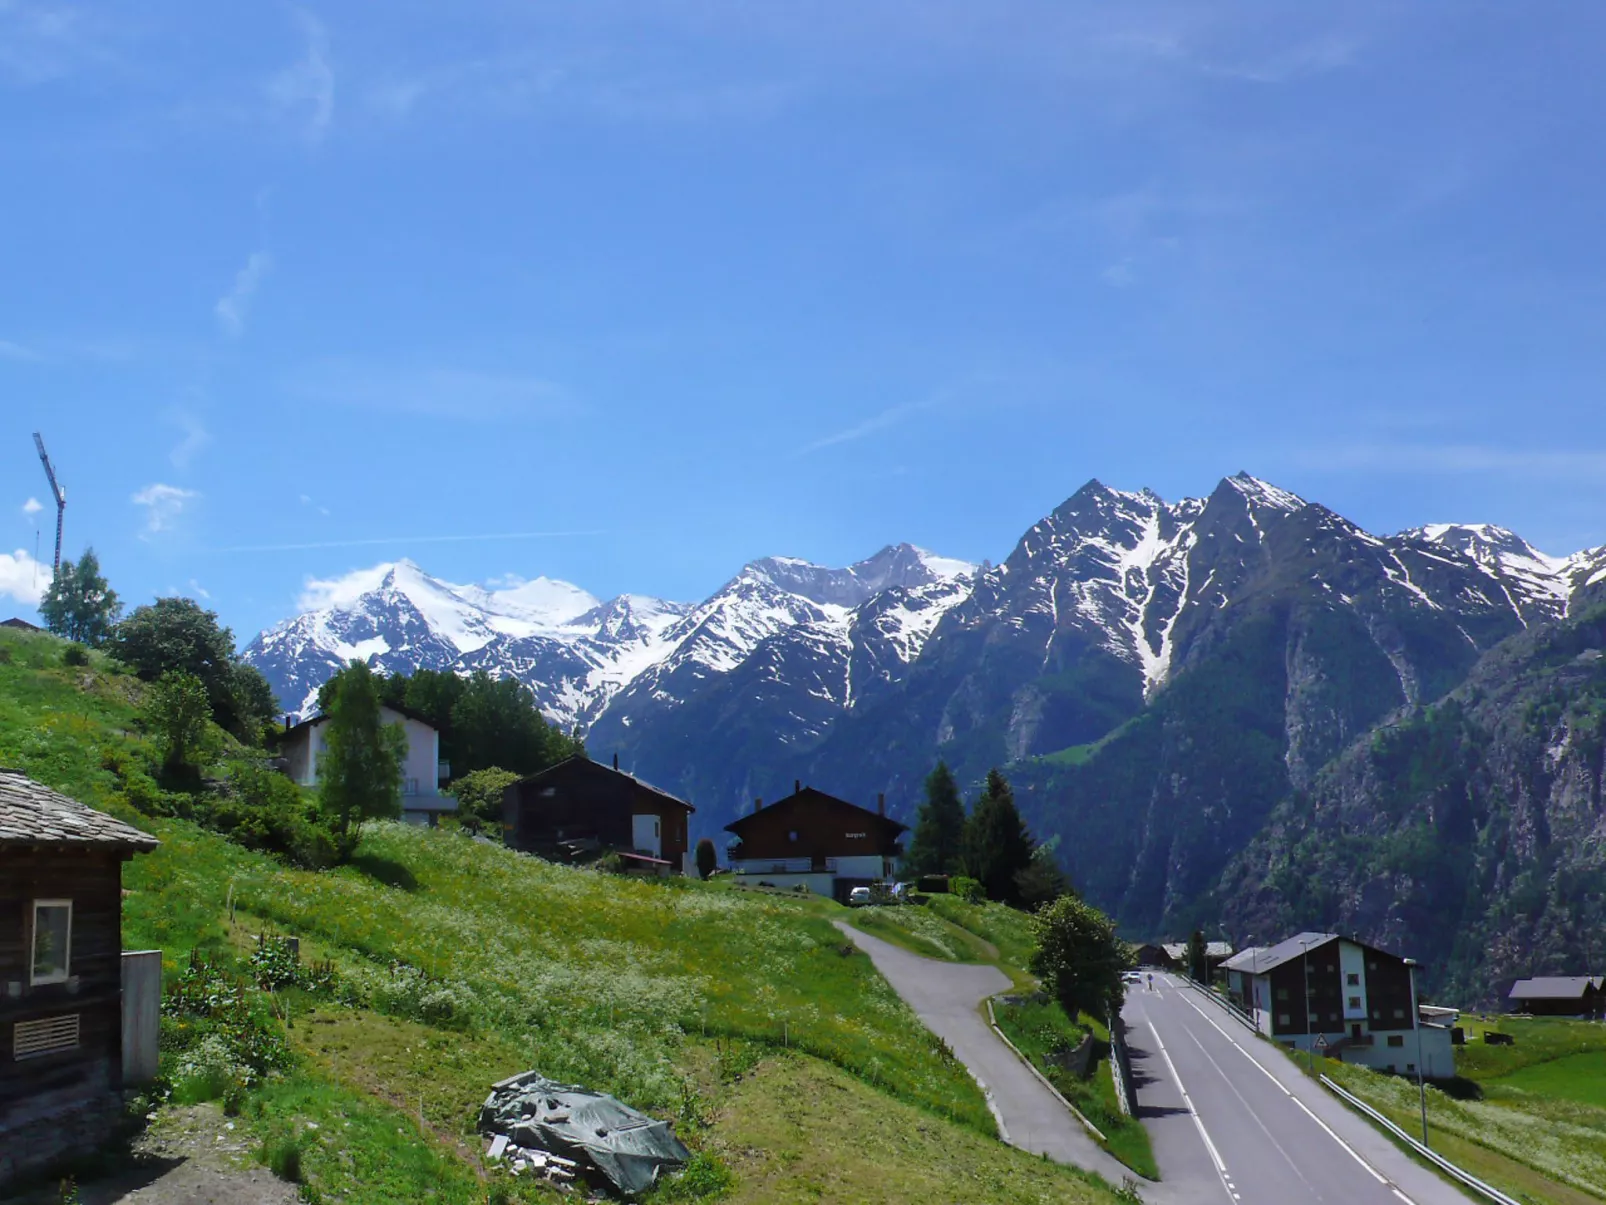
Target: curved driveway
x: 948, y: 996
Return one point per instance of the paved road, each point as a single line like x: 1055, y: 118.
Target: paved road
x: 1233, y: 1121
x: 948, y: 996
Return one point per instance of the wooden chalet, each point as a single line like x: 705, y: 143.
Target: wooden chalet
x: 579, y: 808
x: 816, y: 840
x: 1560, y: 996
x: 61, y: 1052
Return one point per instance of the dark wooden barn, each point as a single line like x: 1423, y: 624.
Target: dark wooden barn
x: 579, y: 807
x: 818, y: 841
x: 61, y: 1067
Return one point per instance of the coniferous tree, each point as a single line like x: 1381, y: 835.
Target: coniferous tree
x: 707, y: 858
x: 359, y: 772
x: 997, y: 846
x: 937, y: 844
x: 1198, y: 957
x: 79, y: 604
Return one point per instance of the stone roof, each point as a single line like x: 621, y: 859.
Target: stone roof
x: 32, y: 814
x: 1213, y: 949
x: 1554, y: 987
x: 1261, y: 959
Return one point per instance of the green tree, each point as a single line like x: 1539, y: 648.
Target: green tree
x: 176, y: 712
x: 178, y: 635
x: 939, y: 835
x: 79, y: 604
x: 997, y: 846
x: 495, y: 722
x: 707, y: 858
x: 1198, y: 957
x: 1043, y: 881
x: 479, y: 797
x: 1079, y: 958
x: 359, y: 772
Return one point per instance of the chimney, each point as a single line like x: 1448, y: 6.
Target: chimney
x: 615, y: 761
x: 287, y: 724
x: 797, y: 785
x: 758, y: 803
x: 881, y: 803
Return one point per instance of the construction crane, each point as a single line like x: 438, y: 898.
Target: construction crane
x: 57, y: 492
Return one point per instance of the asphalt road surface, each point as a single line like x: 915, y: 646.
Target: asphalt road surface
x: 1231, y: 1120
x: 948, y: 997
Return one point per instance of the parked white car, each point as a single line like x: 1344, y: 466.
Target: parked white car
x: 858, y: 897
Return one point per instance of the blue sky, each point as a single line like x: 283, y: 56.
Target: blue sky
x: 631, y: 294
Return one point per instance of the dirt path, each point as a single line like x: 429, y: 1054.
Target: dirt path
x: 188, y: 1156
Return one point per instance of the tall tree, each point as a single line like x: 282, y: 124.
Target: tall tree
x: 79, y: 604
x: 495, y: 722
x: 939, y: 835
x: 1043, y: 881
x: 176, y: 711
x: 359, y: 772
x: 1079, y: 958
x: 997, y: 846
x: 479, y: 797
x: 178, y: 635
x: 1198, y: 957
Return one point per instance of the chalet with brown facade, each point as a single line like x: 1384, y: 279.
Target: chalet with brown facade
x: 1347, y: 999
x: 579, y: 808
x: 61, y: 1044
x: 824, y: 843
x: 1560, y: 996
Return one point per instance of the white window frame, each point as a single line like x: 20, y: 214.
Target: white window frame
x: 33, y: 944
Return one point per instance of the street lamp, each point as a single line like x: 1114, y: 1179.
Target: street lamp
x: 1416, y: 1028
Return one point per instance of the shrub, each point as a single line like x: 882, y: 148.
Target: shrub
x: 707, y: 858
x: 968, y: 889
x: 75, y: 654
x: 704, y: 1178
x: 262, y: 809
x: 479, y: 797
x: 283, y: 1157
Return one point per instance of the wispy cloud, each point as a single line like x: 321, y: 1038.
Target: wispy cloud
x: 43, y: 42
x: 1457, y: 458
x: 888, y: 418
x: 32, y: 507
x: 195, y: 438
x: 23, y: 578
x: 308, y: 85
x: 163, y: 505
x: 232, y: 307
x: 436, y: 392
x: 16, y: 351
x: 376, y: 541
x: 199, y: 590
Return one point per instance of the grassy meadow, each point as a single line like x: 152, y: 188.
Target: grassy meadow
x: 447, y: 963
x: 1536, y: 1126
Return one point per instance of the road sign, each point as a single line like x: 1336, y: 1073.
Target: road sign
x: 1321, y: 1041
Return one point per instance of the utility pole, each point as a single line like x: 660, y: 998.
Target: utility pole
x: 56, y: 492
x: 1416, y: 1027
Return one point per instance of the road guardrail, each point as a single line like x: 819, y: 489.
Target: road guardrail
x: 1427, y: 1152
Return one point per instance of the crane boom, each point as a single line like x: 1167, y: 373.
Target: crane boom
x: 56, y: 492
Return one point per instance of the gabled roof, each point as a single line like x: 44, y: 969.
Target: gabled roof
x: 312, y: 721
x: 1266, y: 958
x: 32, y: 814
x: 1213, y: 949
x: 808, y: 797
x: 583, y: 764
x: 1554, y: 987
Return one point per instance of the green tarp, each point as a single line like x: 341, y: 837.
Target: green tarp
x: 629, y: 1148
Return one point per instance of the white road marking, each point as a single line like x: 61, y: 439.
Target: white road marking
x: 1259, y: 1066
x: 1215, y: 1155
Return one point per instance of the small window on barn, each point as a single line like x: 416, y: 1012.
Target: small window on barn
x: 1354, y: 1001
x: 52, y: 941
x: 792, y: 836
x: 1396, y: 1039
x: 548, y: 792
x: 1354, y: 979
x: 1284, y: 1019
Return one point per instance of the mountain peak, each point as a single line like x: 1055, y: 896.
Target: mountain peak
x: 1264, y: 493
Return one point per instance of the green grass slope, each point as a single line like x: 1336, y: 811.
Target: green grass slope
x: 456, y: 962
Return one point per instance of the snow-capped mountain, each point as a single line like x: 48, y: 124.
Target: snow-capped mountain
x: 576, y: 652
x: 1540, y: 586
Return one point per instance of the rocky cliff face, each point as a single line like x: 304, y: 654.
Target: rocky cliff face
x: 1472, y: 829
